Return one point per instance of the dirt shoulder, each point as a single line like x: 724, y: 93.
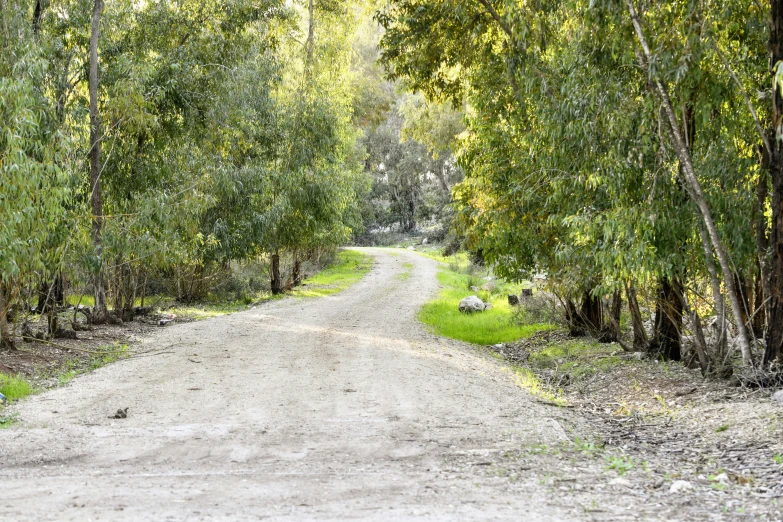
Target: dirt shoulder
x: 717, y: 436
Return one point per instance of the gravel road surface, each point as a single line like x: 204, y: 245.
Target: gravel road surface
x: 337, y: 408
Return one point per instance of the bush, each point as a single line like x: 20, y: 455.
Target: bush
x: 541, y: 307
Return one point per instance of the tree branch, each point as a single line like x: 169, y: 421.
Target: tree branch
x: 503, y: 25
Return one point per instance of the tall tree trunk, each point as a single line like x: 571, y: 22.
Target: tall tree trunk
x: 717, y: 295
x: 774, y: 350
x: 668, y: 319
x: 6, y: 341
x: 762, y: 237
x: 694, y: 189
x: 640, y: 341
x: 759, y: 305
x: 699, y: 343
x: 276, y: 281
x: 99, y: 289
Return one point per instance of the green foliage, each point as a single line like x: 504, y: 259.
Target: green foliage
x: 621, y: 464
x: 569, y: 169
x: 223, y: 140
x: 14, y: 387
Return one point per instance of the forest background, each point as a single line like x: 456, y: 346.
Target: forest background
x: 630, y: 151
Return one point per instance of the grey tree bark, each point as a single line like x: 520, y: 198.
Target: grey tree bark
x: 695, y: 192
x: 99, y: 289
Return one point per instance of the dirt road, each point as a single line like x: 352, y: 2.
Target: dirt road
x: 339, y: 408
x: 336, y: 408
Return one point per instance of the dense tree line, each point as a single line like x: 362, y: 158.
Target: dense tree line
x: 161, y: 137
x: 623, y: 148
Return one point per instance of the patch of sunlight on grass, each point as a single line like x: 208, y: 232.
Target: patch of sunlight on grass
x: 348, y: 268
x: 86, y: 300
x: 526, y: 379
x: 457, y: 262
x: 490, y: 327
x: 13, y: 387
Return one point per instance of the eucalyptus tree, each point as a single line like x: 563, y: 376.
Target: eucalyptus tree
x: 572, y: 165
x: 34, y: 192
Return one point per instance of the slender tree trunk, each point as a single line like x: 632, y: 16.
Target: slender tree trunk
x: 6, y: 340
x: 774, y: 338
x: 699, y: 343
x: 759, y: 306
x: 277, y: 282
x: 99, y: 289
x: 37, y: 16
x: 310, y: 43
x: 696, y: 193
x: 144, y: 288
x: 640, y: 341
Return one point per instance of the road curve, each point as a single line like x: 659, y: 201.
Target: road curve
x: 338, y: 408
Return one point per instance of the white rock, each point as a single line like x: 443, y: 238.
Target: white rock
x: 722, y: 478
x: 471, y: 304
x: 489, y: 286
x: 425, y: 241
x: 679, y: 486
x: 778, y: 396
x: 619, y: 481
x: 411, y: 248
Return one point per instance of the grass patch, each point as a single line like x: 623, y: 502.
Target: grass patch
x: 104, y: 355
x: 348, y: 268
x: 13, y: 387
x: 6, y: 421
x: 490, y: 327
x: 528, y: 380
x: 404, y: 276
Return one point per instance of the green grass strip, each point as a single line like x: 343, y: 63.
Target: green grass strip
x: 349, y: 267
x: 490, y: 327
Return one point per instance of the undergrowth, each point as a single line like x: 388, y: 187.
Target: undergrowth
x: 347, y: 268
